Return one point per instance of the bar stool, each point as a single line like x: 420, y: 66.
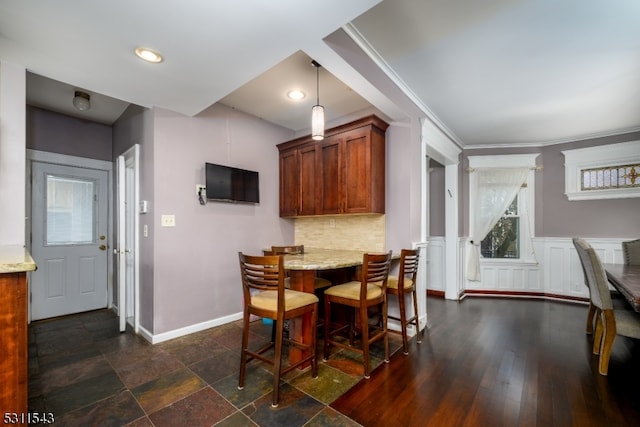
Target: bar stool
x: 402, y: 285
x: 265, y: 296
x: 368, y: 292
x: 319, y: 282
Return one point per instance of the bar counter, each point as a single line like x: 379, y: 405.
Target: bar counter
x: 15, y: 259
x: 323, y: 259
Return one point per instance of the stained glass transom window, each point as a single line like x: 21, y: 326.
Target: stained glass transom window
x: 602, y: 178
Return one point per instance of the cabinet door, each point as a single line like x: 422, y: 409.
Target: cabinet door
x: 331, y: 176
x: 309, y: 180
x: 357, y: 170
x: 289, y: 185
x: 13, y: 351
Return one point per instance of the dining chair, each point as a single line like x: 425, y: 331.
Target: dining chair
x: 402, y: 285
x: 609, y: 322
x: 631, y: 251
x: 265, y: 296
x: 617, y: 299
x: 360, y: 295
x: 319, y: 282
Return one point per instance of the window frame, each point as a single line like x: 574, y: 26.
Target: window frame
x: 601, y: 156
x: 521, y: 228
x: 526, y: 195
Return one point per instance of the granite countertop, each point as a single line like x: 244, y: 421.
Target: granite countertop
x: 323, y: 259
x: 15, y: 259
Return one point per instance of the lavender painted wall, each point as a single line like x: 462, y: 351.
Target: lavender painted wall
x: 403, y: 186
x: 555, y: 215
x: 58, y: 133
x: 195, y: 266
x: 589, y: 218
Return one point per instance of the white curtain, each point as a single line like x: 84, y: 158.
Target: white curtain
x: 495, y: 190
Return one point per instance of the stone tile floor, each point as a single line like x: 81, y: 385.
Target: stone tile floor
x: 84, y: 372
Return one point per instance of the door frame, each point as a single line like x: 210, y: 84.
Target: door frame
x: 81, y: 162
x: 128, y: 224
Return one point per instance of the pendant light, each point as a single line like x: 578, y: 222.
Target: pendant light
x: 317, y: 112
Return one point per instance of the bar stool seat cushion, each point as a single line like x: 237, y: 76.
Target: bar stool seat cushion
x: 351, y: 290
x: 392, y: 282
x: 268, y: 300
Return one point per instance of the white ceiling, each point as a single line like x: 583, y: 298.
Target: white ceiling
x: 491, y: 73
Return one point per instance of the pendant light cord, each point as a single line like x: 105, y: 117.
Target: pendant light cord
x: 318, y: 85
x: 315, y: 64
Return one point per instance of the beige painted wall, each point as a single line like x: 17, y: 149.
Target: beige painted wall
x: 357, y: 232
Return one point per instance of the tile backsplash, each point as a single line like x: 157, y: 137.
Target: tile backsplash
x: 357, y: 232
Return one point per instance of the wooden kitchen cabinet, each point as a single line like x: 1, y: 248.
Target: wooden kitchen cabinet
x: 343, y: 174
x: 289, y: 183
x: 332, y: 175
x: 309, y: 179
x: 299, y: 179
x: 14, y: 264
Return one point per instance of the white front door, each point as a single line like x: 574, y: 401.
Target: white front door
x: 69, y: 239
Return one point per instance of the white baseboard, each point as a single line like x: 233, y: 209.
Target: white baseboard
x: 176, y: 333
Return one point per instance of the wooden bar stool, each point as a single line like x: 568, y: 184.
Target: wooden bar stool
x: 369, y: 291
x: 319, y: 283
x: 265, y: 296
x: 402, y: 285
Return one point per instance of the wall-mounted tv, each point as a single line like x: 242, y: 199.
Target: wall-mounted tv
x: 231, y: 184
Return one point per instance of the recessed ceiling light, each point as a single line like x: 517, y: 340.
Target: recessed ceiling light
x: 148, y: 55
x: 295, y: 95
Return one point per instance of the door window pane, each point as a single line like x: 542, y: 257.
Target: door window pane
x: 70, y: 211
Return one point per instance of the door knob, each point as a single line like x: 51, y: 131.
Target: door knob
x: 102, y: 247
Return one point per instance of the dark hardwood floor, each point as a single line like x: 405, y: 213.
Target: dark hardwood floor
x: 501, y: 362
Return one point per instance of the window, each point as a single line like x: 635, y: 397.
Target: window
x: 510, y: 238
x: 625, y: 176
x: 70, y: 211
x: 603, y: 172
x: 503, y: 241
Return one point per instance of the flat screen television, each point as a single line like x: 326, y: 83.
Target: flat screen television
x: 231, y: 184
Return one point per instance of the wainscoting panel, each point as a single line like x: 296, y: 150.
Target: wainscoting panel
x: 554, y: 272
x: 557, y: 258
x: 435, y: 264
